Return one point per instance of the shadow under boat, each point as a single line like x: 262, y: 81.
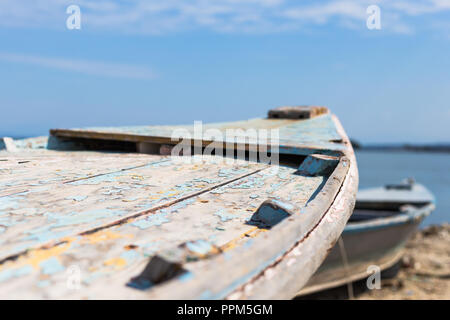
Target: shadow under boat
x: 375, y: 235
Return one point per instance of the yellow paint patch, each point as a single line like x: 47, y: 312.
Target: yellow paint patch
x: 69, y: 239
x: 116, y: 262
x: 36, y: 256
x: 252, y: 233
x: 169, y: 193
x: 105, y: 235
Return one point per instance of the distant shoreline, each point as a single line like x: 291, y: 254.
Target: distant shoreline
x: 438, y: 148
x: 407, y: 148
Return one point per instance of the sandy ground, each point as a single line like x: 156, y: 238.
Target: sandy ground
x: 423, y: 273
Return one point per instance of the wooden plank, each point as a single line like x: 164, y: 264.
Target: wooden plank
x: 218, y: 217
x: 296, y: 137
x: 23, y: 171
x: 49, y: 213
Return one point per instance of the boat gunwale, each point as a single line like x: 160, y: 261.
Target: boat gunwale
x: 299, y: 148
x: 343, y: 203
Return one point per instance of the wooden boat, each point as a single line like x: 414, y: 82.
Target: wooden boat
x: 116, y: 213
x: 375, y: 235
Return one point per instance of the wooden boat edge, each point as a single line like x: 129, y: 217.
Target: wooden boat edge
x: 328, y: 227
x: 324, y: 203
x: 342, y: 183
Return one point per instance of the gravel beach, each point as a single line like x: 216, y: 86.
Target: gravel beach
x: 423, y: 273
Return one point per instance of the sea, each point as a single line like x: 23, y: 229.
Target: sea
x: 431, y: 169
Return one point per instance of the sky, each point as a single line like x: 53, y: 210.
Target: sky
x: 146, y: 62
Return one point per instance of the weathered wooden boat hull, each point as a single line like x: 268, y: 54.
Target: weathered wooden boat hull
x: 148, y: 227
x: 374, y: 242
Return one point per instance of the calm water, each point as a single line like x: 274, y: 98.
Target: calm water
x: 377, y: 168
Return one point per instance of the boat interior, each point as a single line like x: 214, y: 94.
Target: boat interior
x: 400, y: 199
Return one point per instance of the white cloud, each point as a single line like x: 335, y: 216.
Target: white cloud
x: 81, y: 66
x: 321, y: 13
x: 166, y: 16
x: 415, y: 8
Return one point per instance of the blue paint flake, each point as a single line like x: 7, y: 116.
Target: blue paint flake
x: 9, y: 202
x: 43, y: 283
x: 200, y: 247
x: 153, y: 220
x: 187, y: 276
x: 76, y: 218
x: 229, y: 173
x: 15, y: 273
x: 108, y: 177
x: 209, y: 181
x: 179, y: 205
x: 51, y: 266
x: 224, y: 215
x: 46, y: 233
x: 130, y: 255
x: 76, y: 198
